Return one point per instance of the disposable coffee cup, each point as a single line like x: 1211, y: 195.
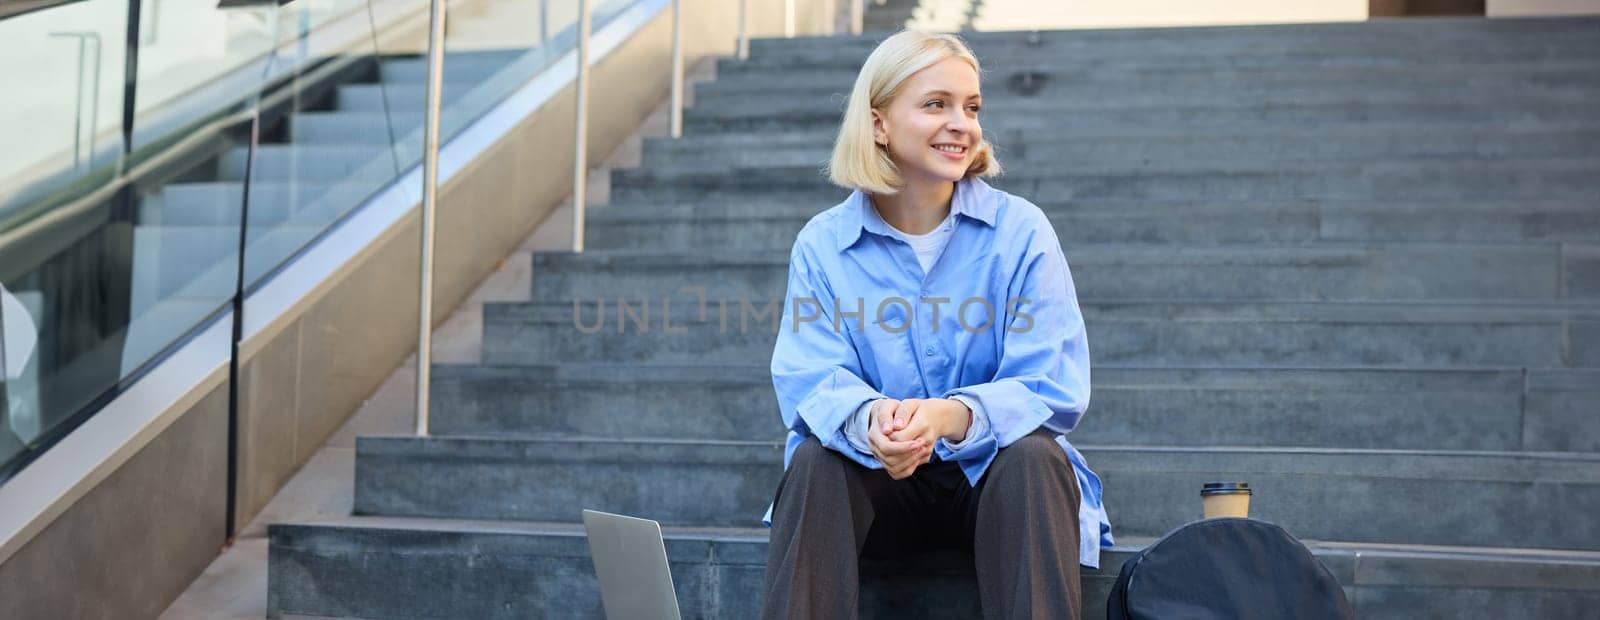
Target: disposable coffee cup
x: 1225, y: 499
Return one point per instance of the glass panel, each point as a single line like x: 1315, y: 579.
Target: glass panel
x: 108, y: 257
x: 63, y: 264
x: 493, y: 47
x: 329, y: 134
x: 61, y: 70
x: 351, y: 121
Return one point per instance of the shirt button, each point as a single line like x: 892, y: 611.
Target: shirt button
x: 929, y: 351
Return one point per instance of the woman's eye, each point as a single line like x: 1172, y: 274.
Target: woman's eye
x: 974, y: 108
x: 934, y: 103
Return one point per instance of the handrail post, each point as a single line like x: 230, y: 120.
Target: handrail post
x: 858, y: 16
x: 544, y: 26
x: 94, y: 98
x: 788, y: 19
x: 580, y: 155
x: 430, y: 191
x: 677, y: 68
x: 744, y: 29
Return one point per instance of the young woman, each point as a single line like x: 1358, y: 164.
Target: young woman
x: 931, y: 355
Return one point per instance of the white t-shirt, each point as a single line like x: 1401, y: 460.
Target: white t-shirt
x: 929, y: 244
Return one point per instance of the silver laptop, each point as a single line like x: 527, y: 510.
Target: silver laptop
x: 631, y: 560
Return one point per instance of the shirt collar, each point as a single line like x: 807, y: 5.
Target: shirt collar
x: 973, y: 198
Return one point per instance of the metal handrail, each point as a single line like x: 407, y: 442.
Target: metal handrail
x: 580, y: 155
x: 677, y: 68
x: 544, y: 24
x: 744, y: 29
x: 430, y: 196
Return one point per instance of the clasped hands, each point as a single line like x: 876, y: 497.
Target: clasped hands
x: 904, y: 431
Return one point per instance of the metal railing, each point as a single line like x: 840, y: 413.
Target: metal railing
x: 430, y: 200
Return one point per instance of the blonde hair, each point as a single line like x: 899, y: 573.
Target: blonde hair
x: 858, y: 161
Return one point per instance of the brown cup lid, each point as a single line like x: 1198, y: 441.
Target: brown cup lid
x: 1225, y: 488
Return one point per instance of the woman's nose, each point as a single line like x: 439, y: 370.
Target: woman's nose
x: 958, y: 123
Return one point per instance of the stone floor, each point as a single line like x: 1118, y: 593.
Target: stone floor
x: 235, y: 584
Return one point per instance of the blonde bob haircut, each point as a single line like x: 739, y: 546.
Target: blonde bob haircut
x: 858, y: 161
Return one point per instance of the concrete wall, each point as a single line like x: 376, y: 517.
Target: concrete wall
x: 131, y: 544
x: 128, y: 546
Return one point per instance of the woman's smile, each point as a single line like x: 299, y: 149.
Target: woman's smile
x: 951, y: 151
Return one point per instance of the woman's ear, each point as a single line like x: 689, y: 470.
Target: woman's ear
x: 880, y: 128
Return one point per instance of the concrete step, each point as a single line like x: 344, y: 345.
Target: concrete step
x: 730, y: 146
x: 313, y: 164
x: 1044, y: 77
x: 543, y: 570
x: 1182, y: 334
x: 1542, y: 500
x: 773, y: 227
x: 401, y: 127
x: 408, y: 568
x: 714, y: 101
x: 388, y: 98
x: 271, y: 204
x: 459, y: 65
x: 998, y: 51
x: 359, y: 127
x: 810, y: 176
x: 1419, y: 37
x: 1500, y: 410
x: 1391, y: 272
x: 1114, y: 118
x: 1039, y: 154
x: 1051, y: 74
x: 1398, y: 180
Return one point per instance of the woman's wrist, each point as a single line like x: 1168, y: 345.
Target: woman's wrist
x: 958, y: 422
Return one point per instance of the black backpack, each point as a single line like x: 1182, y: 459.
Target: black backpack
x: 1226, y: 568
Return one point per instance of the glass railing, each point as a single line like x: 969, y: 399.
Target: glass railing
x: 67, y: 209
x: 121, y: 199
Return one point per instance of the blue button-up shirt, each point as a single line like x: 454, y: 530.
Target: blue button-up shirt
x: 995, y: 321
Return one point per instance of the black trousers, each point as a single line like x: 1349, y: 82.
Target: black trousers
x: 1020, y: 523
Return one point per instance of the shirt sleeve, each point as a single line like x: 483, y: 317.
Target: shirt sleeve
x: 1042, y: 379
x: 816, y: 371
x: 857, y: 427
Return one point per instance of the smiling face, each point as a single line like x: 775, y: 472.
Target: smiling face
x: 931, y: 126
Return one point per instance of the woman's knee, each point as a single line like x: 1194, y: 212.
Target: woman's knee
x: 814, y: 472
x: 811, y: 456
x: 1035, y: 451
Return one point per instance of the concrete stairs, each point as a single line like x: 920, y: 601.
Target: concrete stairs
x: 1357, y: 265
